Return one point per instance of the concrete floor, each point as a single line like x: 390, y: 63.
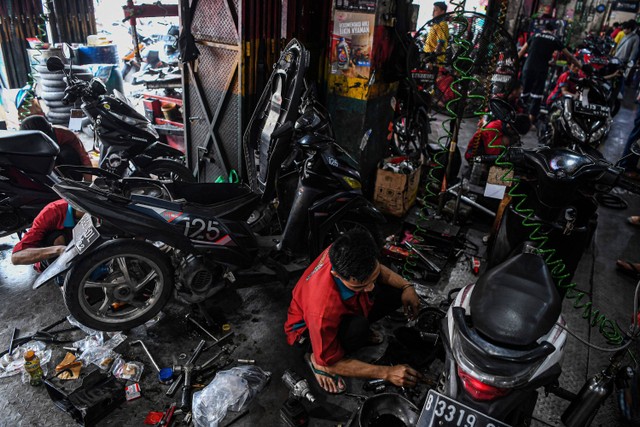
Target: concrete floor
x: 256, y: 315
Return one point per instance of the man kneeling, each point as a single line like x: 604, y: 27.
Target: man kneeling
x: 343, y: 290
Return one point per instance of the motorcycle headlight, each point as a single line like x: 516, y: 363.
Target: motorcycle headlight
x: 574, y: 128
x: 351, y: 182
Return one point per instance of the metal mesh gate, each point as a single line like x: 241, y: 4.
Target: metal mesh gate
x: 212, y: 90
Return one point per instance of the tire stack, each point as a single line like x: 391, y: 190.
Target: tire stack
x: 52, y: 86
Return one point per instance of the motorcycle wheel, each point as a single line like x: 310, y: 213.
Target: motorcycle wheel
x: 169, y: 170
x: 119, y: 287
x: 616, y: 107
x: 344, y: 225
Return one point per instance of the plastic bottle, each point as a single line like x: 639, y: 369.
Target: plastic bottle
x: 343, y: 54
x: 32, y: 366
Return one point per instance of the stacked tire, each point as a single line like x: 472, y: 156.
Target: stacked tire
x: 52, y: 86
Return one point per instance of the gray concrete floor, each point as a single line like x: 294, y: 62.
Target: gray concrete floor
x: 256, y: 315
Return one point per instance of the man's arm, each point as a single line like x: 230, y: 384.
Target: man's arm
x: 410, y: 300
x: 571, y: 58
x: 399, y: 375
x: 33, y: 255
x: 523, y: 50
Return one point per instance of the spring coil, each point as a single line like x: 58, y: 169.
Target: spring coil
x: 607, y: 328
x: 28, y: 102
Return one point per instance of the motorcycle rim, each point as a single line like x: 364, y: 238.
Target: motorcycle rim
x: 169, y: 170
x: 120, y: 287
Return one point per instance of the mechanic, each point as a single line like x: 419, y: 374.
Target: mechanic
x: 344, y: 290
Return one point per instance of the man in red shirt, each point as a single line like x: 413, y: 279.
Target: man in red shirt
x: 333, y: 303
x: 48, y: 236
x: 72, y: 151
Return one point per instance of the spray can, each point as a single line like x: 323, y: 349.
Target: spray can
x: 32, y: 366
x: 342, y: 50
x: 589, y: 399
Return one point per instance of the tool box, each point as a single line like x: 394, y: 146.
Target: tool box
x: 89, y: 398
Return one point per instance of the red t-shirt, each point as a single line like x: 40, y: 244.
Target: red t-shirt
x: 563, y: 81
x: 66, y: 137
x: 479, y: 143
x: 319, y: 303
x: 51, y: 218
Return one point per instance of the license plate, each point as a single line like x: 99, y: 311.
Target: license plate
x: 84, y: 233
x: 593, y: 109
x: 443, y: 411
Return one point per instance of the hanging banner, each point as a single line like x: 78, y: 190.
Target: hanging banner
x: 351, y: 42
x: 625, y: 6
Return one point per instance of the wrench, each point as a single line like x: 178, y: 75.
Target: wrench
x: 155, y: 365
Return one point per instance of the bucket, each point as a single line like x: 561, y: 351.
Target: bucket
x: 171, y: 112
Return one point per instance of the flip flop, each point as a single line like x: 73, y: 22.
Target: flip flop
x: 628, y: 268
x: 336, y: 378
x: 634, y: 220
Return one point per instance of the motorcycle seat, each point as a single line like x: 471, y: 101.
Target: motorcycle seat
x: 31, y: 151
x: 233, y: 201
x: 516, y: 302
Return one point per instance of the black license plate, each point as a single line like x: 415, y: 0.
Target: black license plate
x: 84, y: 233
x: 443, y: 411
x: 598, y: 110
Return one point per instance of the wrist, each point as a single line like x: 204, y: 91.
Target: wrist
x: 405, y: 287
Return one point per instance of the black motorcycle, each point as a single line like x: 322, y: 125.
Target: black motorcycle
x: 134, y: 248
x: 580, y: 123
x: 129, y: 144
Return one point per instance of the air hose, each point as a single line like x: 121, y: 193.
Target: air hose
x: 437, y: 180
x: 26, y: 103
x: 609, y: 329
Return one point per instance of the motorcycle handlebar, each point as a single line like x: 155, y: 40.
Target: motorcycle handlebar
x: 513, y: 155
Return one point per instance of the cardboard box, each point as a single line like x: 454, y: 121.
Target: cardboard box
x: 395, y: 193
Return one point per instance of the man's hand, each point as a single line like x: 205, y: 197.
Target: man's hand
x: 402, y: 376
x: 410, y: 302
x: 58, y: 250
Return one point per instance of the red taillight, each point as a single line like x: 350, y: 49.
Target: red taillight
x: 479, y: 390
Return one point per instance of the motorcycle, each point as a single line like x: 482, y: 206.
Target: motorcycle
x: 133, y: 249
x: 129, y: 144
x: 27, y: 161
x: 504, y: 338
x: 595, y: 52
x: 582, y: 122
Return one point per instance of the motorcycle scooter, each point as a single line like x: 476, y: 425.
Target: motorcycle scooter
x: 131, y: 252
x: 129, y: 144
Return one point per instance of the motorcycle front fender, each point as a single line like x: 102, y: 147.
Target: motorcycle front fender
x: 65, y: 262
x: 155, y: 151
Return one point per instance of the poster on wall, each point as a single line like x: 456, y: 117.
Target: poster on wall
x: 351, y: 42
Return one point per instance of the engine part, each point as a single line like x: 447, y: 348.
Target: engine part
x: 298, y: 386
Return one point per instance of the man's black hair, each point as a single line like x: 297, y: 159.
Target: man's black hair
x: 549, y: 26
x: 522, y: 123
x: 354, y: 255
x: 38, y: 123
x: 629, y: 25
x: 440, y: 5
x: 616, y: 24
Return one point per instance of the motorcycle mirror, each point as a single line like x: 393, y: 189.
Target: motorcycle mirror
x: 55, y: 64
x: 502, y: 110
x: 67, y: 51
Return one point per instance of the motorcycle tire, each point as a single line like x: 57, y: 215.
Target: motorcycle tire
x: 54, y: 115
x: 52, y: 96
x: 165, y: 169
x: 616, y: 108
x: 59, y: 110
x: 52, y: 85
x: 140, y: 259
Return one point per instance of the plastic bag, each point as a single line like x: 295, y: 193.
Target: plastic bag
x: 101, y: 355
x: 131, y: 371
x: 12, y: 364
x: 232, y: 390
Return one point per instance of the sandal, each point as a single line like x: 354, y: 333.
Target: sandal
x: 628, y: 268
x: 342, y: 387
x: 634, y: 220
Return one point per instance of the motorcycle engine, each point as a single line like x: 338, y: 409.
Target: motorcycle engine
x: 197, y: 279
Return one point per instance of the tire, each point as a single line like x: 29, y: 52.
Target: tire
x: 165, y: 169
x: 59, y: 110
x: 52, y: 85
x: 53, y: 96
x: 53, y: 115
x: 616, y: 107
x: 95, y: 305
x: 344, y: 225
x: 56, y: 104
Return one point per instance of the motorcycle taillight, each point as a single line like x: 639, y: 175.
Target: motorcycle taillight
x: 479, y: 390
